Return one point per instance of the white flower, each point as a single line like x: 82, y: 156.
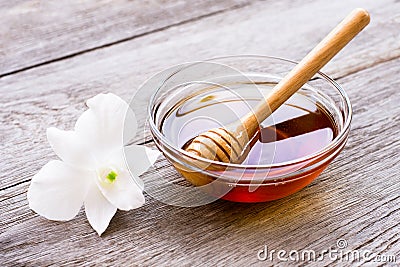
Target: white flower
x: 93, y: 170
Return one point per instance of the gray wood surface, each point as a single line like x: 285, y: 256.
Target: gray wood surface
x: 34, y: 33
x: 357, y: 198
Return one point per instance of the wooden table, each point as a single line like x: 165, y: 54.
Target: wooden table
x: 54, y: 56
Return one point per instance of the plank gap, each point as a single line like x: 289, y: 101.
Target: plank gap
x: 13, y: 185
x: 371, y: 65
x: 122, y: 40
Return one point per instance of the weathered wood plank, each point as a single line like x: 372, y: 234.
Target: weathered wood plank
x: 34, y: 32
x: 53, y: 95
x: 356, y: 198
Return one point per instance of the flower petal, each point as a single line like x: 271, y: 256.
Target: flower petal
x: 57, y: 191
x: 140, y: 158
x: 102, y: 125
x: 70, y: 148
x: 99, y: 210
x: 123, y: 192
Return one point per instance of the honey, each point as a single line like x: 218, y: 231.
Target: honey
x: 293, y: 147
x: 287, y: 141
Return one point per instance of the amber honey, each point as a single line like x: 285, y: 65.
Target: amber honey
x: 299, y: 128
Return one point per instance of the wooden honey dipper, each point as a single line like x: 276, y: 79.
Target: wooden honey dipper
x: 232, y: 143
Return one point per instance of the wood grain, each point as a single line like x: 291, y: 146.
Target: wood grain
x: 356, y: 198
x: 55, y: 30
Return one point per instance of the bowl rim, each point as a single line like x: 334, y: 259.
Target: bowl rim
x: 342, y: 135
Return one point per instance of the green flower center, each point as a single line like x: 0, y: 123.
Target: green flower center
x: 107, y: 175
x: 111, y: 176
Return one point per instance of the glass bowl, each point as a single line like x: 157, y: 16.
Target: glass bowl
x: 268, y: 179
